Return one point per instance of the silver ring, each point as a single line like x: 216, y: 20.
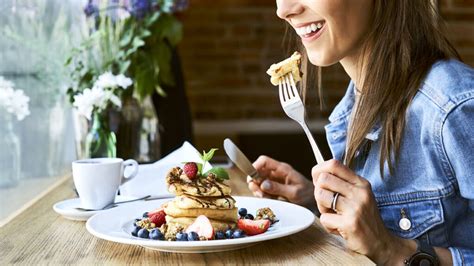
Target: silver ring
x: 334, y: 201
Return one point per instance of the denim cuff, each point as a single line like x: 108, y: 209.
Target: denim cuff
x: 462, y: 256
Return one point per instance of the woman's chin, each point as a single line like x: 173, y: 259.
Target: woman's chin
x: 320, y: 58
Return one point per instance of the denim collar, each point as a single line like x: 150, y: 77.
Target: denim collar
x: 343, y: 110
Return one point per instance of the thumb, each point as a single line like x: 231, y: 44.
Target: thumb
x: 275, y: 188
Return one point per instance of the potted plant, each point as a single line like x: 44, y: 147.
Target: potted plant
x: 134, y: 38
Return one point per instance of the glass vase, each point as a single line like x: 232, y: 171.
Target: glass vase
x: 9, y: 153
x: 101, y: 141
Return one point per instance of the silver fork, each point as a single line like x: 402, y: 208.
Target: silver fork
x: 293, y: 106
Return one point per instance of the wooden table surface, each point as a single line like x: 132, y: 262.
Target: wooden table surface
x: 40, y: 236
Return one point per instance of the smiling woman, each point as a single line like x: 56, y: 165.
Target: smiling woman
x: 399, y: 187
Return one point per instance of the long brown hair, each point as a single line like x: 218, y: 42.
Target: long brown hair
x: 406, y: 39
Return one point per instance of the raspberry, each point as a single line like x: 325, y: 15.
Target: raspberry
x: 190, y: 170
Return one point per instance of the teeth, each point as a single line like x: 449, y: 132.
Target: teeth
x: 308, y: 29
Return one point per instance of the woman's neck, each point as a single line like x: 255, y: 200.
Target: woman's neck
x: 351, y: 64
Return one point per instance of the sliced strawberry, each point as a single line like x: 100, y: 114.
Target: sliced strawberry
x: 155, y: 211
x: 253, y: 227
x: 202, y: 226
x: 157, y: 217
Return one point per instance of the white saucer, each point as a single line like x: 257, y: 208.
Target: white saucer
x: 67, y: 208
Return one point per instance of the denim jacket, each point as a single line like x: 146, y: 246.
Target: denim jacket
x: 432, y: 184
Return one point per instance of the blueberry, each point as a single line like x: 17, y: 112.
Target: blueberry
x: 229, y: 233
x: 220, y: 235
x: 143, y: 233
x: 181, y: 237
x: 135, y: 230
x: 135, y: 223
x: 242, y: 212
x: 193, y: 236
x: 156, y: 234
x: 238, y: 234
x: 145, y: 215
x: 249, y: 216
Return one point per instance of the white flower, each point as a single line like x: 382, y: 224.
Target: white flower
x: 19, y: 104
x: 110, y: 81
x: 13, y: 101
x: 106, y: 80
x: 101, y: 95
x: 123, y: 81
x: 95, y: 99
x: 84, y: 104
x: 5, y: 83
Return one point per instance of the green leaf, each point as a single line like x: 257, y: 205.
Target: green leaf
x: 172, y: 29
x: 137, y: 42
x: 160, y: 91
x: 199, y: 165
x: 206, y: 157
x: 124, y: 66
x: 220, y: 173
x: 162, y: 57
x: 126, y: 38
x: 145, y: 33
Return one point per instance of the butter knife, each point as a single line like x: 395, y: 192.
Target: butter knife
x: 239, y: 158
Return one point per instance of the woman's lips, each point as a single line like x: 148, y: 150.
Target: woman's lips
x: 310, y: 31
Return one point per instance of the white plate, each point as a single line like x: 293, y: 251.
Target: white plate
x: 67, y: 208
x: 117, y: 224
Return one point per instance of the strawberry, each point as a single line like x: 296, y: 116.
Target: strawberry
x: 190, y: 170
x: 157, y: 217
x: 253, y: 227
x: 202, y: 226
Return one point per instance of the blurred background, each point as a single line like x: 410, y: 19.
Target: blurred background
x: 217, y: 63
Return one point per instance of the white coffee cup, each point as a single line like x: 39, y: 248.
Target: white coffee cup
x: 97, y: 180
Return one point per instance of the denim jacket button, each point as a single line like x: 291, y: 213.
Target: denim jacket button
x: 404, y: 224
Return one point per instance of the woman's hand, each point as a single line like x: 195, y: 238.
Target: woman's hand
x: 357, y: 218
x: 278, y: 179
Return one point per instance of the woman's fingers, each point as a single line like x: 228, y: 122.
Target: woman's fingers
x: 333, y: 183
x: 271, y: 168
x: 336, y: 168
x: 324, y: 199
x: 278, y: 189
x: 255, y: 188
x: 331, y: 221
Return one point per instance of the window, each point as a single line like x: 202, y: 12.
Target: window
x: 36, y: 37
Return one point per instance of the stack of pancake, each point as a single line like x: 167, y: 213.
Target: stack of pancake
x: 201, y: 196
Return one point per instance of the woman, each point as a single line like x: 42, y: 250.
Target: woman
x: 402, y: 137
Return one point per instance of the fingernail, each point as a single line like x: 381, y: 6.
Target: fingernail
x: 266, y: 185
x: 259, y: 194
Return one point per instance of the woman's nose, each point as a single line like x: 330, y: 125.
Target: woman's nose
x: 288, y: 8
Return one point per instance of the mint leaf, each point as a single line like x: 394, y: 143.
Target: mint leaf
x: 221, y: 173
x: 199, y: 165
x: 208, y: 156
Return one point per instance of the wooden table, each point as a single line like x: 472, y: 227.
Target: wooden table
x: 40, y: 236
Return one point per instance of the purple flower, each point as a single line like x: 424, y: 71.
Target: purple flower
x: 180, y: 5
x: 91, y: 9
x: 140, y: 8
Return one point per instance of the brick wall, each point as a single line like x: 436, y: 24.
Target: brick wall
x: 459, y: 15
x: 228, y: 45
